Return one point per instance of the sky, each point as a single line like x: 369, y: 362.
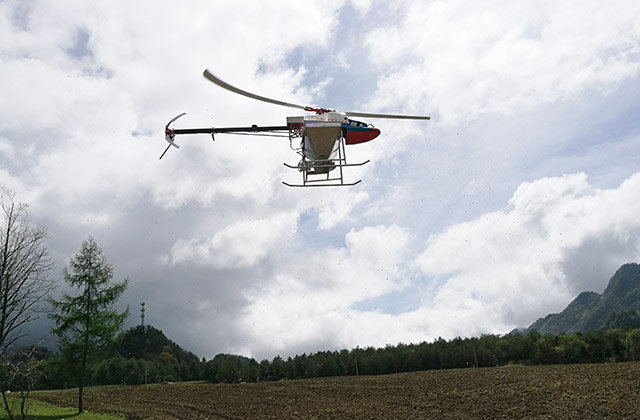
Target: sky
x: 520, y: 192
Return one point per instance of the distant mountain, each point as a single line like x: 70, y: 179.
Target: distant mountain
x: 617, y: 306
x: 150, y: 343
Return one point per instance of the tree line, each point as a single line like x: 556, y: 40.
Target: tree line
x: 159, y: 362
x: 613, y: 345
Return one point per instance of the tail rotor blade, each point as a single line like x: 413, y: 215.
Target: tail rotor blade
x: 165, y: 151
x: 169, y: 135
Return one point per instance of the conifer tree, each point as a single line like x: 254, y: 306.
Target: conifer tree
x: 86, y: 323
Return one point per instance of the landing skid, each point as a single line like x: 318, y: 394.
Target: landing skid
x: 310, y: 184
x: 310, y: 169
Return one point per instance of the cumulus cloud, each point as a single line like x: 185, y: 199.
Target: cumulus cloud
x: 309, y: 304
x: 524, y: 254
x: 499, y: 271
x: 240, y: 244
x: 502, y: 57
x: 338, y: 211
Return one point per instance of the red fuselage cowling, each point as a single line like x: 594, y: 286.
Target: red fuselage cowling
x: 356, y: 132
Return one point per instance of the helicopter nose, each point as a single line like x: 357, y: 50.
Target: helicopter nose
x: 361, y: 135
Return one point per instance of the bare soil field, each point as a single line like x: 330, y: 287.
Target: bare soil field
x: 603, y: 391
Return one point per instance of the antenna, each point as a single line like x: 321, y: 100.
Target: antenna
x: 142, y: 314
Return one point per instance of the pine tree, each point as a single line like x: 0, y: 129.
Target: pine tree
x: 86, y: 324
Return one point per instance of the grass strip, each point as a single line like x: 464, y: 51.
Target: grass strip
x: 38, y: 410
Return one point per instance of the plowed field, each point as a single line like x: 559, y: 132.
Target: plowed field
x: 604, y: 391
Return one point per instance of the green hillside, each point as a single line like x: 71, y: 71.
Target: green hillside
x: 617, y: 307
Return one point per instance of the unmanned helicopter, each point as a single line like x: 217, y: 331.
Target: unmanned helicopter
x: 322, y: 137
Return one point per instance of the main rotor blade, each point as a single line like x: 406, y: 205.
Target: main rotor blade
x: 397, y: 117
x: 211, y: 77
